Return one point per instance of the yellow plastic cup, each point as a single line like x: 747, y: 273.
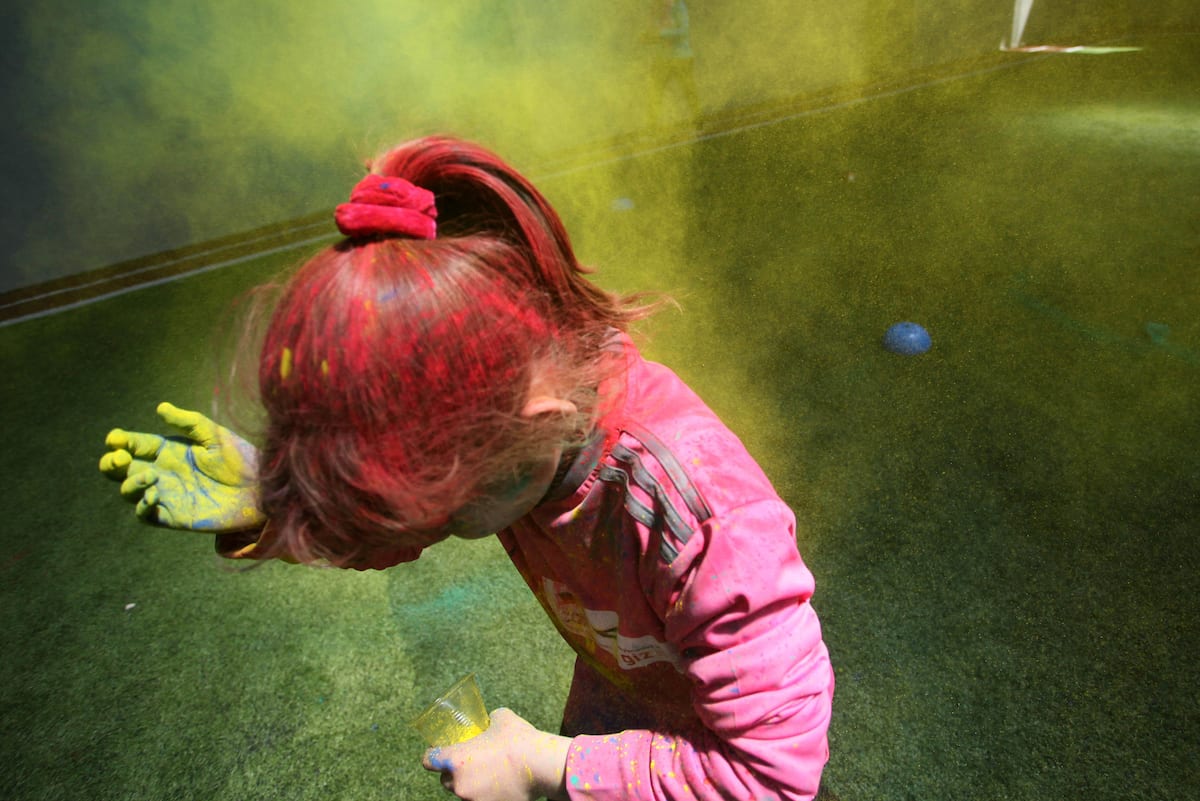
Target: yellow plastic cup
x: 456, y: 716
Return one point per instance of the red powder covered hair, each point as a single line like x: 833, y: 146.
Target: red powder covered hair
x: 393, y: 371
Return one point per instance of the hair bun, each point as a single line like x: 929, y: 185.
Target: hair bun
x: 382, y: 205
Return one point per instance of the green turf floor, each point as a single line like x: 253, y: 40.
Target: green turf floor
x: 1003, y: 531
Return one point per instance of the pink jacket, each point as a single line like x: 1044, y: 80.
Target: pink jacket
x: 669, y: 563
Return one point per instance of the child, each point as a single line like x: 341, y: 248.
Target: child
x: 448, y: 370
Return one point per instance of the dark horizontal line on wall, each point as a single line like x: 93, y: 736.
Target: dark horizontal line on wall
x: 74, y: 290
x: 127, y: 276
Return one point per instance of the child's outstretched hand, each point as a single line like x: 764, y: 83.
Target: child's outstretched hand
x: 203, y: 480
x: 511, y: 761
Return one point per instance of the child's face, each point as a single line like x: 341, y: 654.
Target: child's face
x: 506, y: 503
x: 509, y: 500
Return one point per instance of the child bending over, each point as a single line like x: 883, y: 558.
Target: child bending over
x: 447, y: 370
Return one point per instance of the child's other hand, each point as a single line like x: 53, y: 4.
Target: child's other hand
x: 511, y: 761
x: 201, y: 481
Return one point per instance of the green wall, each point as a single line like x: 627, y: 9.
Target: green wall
x: 139, y: 126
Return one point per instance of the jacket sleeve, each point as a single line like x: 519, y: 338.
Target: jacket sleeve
x: 735, y: 602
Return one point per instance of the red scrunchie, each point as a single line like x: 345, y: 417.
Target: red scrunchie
x: 385, y: 206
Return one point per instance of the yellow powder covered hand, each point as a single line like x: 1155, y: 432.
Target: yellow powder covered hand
x: 202, y: 480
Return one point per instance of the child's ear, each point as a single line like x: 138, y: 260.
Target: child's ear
x: 547, y: 404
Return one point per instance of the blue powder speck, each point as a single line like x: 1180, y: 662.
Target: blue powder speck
x: 907, y: 339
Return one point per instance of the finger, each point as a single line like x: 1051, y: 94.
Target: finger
x: 194, y: 425
x: 144, y: 446
x: 134, y: 487
x: 137, y: 466
x: 436, y: 759
x: 147, y: 508
x: 119, y: 465
x: 115, y: 464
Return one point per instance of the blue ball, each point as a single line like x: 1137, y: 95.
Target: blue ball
x: 907, y: 339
